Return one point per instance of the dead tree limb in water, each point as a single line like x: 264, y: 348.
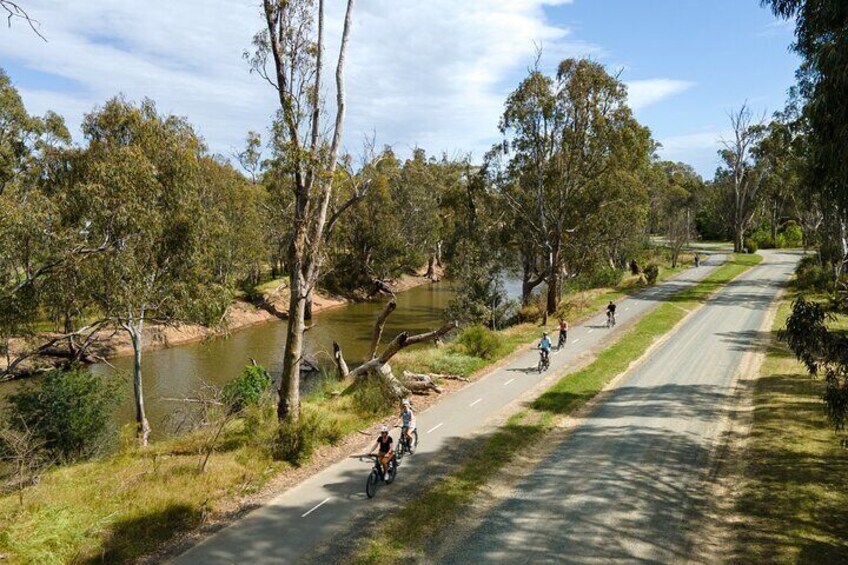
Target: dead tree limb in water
x: 378, y: 328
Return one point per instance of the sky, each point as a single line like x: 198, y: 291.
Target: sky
x: 421, y: 73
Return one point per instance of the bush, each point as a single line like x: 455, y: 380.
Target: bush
x: 530, y: 313
x: 811, y: 275
x: 651, y: 272
x: 69, y: 411
x: 792, y: 236
x: 372, y: 397
x: 296, y: 441
x: 762, y: 238
x: 479, y: 341
x: 751, y: 245
x: 606, y: 277
x: 247, y: 389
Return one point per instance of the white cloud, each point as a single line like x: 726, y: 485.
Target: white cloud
x: 429, y: 73
x: 699, y: 149
x: 433, y: 74
x: 642, y: 93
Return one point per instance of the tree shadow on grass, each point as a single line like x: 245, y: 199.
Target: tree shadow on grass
x: 793, y: 506
x: 131, y: 537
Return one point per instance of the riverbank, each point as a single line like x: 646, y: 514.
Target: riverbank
x: 125, y: 505
x: 269, y: 303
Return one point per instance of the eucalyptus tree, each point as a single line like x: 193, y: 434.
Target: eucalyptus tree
x: 821, y: 32
x: 676, y: 203
x: 741, y: 175
x: 36, y: 245
x: 289, y: 55
x: 234, y: 242
x: 567, y: 139
x: 142, y: 188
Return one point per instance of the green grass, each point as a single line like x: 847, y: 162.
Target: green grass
x: 793, y: 506
x: 122, y: 506
x: 405, y: 534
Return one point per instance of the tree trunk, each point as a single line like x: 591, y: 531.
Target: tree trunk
x: 553, y: 288
x: 307, y: 309
x: 774, y: 224
x: 288, y: 406
x: 142, y: 426
x: 431, y: 267
x: 738, y: 240
x: 377, y: 333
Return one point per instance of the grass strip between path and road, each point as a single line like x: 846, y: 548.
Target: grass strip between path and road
x: 792, y: 506
x: 405, y: 533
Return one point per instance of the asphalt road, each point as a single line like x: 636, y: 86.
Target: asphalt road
x: 325, y: 505
x: 625, y: 486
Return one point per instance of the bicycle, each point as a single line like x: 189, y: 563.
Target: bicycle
x: 405, y: 445
x: 376, y: 475
x: 544, y: 361
x: 562, y: 340
x: 610, y: 319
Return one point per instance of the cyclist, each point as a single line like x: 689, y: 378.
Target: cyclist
x: 545, y: 347
x: 407, y: 419
x: 384, y: 443
x: 611, y: 313
x: 563, y: 333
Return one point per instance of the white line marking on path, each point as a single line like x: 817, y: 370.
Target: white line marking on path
x: 436, y: 427
x: 590, y: 331
x: 576, y: 340
x: 626, y: 309
x: 314, y: 508
x: 475, y: 402
x: 509, y: 381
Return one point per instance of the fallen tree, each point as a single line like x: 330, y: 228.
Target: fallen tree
x: 378, y: 365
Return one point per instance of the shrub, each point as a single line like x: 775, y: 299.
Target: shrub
x: 811, y: 275
x: 792, y: 235
x: 479, y: 341
x: 762, y: 238
x: 247, y: 389
x: 751, y: 245
x: 651, y: 272
x: 529, y: 313
x: 372, y: 397
x: 606, y: 277
x: 68, y: 410
x: 295, y: 442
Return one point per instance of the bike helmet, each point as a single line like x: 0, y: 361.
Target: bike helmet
x: 384, y: 429
x: 406, y: 402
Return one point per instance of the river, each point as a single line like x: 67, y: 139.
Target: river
x: 179, y: 372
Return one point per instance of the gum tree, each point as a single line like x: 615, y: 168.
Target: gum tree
x: 289, y: 55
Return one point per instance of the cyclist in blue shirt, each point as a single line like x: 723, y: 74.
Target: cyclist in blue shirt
x: 545, y: 346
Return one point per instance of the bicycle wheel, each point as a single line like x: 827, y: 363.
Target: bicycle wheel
x: 371, y: 483
x: 413, y: 445
x: 392, y: 473
x: 401, y: 448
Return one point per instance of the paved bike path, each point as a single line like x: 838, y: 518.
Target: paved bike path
x: 310, y: 514
x: 625, y: 486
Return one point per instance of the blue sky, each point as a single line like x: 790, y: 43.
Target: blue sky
x: 429, y: 73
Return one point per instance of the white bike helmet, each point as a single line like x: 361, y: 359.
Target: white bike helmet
x: 384, y: 429
x: 406, y: 402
